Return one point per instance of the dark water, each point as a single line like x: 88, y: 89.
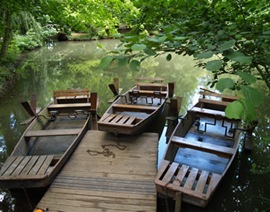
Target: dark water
x: 75, y: 65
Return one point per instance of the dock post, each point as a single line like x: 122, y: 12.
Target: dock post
x: 178, y: 202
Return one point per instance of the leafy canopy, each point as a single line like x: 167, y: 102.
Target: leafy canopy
x: 227, y: 37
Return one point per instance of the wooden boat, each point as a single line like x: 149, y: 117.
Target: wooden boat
x: 133, y: 111
x: 200, y: 151
x: 49, y: 140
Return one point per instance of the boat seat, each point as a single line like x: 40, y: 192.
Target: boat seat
x: 188, y: 180
x: 71, y: 105
x: 57, y: 132
x: 77, y: 94
x: 207, y: 147
x: 222, y: 96
x: 214, y: 102
x: 133, y: 107
x: 118, y: 119
x: 208, y: 112
x: 26, y: 167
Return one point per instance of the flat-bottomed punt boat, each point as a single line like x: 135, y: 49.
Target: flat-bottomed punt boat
x: 49, y: 140
x: 132, y: 112
x: 200, y: 151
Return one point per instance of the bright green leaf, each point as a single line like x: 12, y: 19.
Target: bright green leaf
x: 106, y: 61
x: 225, y: 83
x: 138, y: 47
x: 213, y: 65
x: 134, y: 65
x: 234, y: 110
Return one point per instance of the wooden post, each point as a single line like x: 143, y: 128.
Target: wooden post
x: 116, y: 84
x: 171, y: 89
x: 93, y: 101
x: 178, y: 202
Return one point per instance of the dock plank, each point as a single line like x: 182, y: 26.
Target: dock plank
x: 122, y: 181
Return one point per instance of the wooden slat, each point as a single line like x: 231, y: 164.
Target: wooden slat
x: 137, y: 107
x: 108, y: 118
x: 71, y: 105
x: 214, y: 102
x: 215, y: 178
x: 38, y: 165
x: 22, y: 165
x: 57, y: 132
x: 29, y: 165
x: 130, y: 120
x: 208, y: 111
x: 13, y: 166
x: 123, y: 119
x: 180, y: 175
x: 163, y: 166
x: 117, y: 118
x: 6, y: 165
x: 216, y: 149
x: 170, y: 173
x: 149, y: 79
x: 46, y: 164
x: 191, y: 178
x: 79, y: 92
x: 207, y: 93
x: 202, y: 181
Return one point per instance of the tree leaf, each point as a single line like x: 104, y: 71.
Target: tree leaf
x: 225, y: 83
x: 106, y: 61
x: 247, y: 77
x: 243, y: 59
x: 138, y: 47
x: 234, y: 110
x: 227, y: 45
x: 122, y: 61
x: 150, y: 52
x: 213, y: 65
x: 134, y: 65
x: 252, y: 95
x: 204, y: 55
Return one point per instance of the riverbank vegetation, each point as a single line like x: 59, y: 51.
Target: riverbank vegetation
x: 228, y: 38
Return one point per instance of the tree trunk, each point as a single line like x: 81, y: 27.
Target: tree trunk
x: 7, y: 35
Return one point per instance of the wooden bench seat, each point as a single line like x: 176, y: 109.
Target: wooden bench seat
x: 210, y: 112
x: 222, y: 96
x: 134, y: 107
x: 71, y: 94
x: 207, y: 147
x: 117, y: 119
x: 57, y: 132
x: 214, y: 102
x: 72, y: 105
x: 26, y: 167
x: 148, y: 93
x: 188, y: 180
x: 149, y: 79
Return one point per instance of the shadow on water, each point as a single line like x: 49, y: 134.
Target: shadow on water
x: 75, y: 65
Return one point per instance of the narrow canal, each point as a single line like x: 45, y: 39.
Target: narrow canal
x: 76, y: 65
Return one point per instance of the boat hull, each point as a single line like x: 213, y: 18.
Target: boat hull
x: 201, y: 149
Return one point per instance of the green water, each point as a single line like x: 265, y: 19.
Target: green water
x: 75, y: 65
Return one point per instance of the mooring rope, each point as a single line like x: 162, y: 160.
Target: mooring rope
x: 106, y: 151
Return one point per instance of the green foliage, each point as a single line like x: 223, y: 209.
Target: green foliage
x: 229, y: 38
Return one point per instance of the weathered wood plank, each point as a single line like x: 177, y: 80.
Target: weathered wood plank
x: 38, y: 165
x: 130, y: 120
x: 21, y: 166
x: 13, y: 166
x: 46, y: 164
x: 191, y: 178
x: 29, y: 165
x: 180, y: 175
x: 122, y: 182
x: 61, y: 132
x: 202, y: 181
x: 170, y: 173
x: 6, y: 165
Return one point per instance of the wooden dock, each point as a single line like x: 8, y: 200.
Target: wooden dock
x: 107, y: 173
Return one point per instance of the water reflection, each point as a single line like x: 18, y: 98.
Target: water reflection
x: 76, y: 65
